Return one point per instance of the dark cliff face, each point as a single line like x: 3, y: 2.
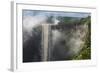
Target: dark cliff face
x: 32, y: 47
x: 62, y: 45
x: 67, y: 42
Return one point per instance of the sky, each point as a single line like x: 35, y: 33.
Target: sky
x: 55, y: 13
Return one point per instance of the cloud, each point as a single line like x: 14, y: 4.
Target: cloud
x: 30, y: 22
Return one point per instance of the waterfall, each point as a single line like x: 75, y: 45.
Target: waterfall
x: 45, y: 42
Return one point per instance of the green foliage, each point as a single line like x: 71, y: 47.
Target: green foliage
x: 85, y: 53
x: 68, y: 20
